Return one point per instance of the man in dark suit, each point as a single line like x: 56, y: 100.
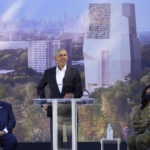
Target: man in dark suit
x: 64, y: 82
x: 7, y: 123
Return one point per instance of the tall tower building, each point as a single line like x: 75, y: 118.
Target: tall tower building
x: 41, y: 53
x: 111, y: 48
x: 128, y: 10
x: 38, y: 55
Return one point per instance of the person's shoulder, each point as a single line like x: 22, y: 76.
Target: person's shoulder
x: 136, y: 107
x: 73, y: 69
x: 6, y: 104
x: 50, y: 69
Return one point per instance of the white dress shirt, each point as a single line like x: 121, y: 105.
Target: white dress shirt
x: 59, y: 77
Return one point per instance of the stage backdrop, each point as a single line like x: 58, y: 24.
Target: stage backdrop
x: 108, y: 41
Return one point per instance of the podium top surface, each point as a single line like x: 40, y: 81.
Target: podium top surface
x: 81, y: 101
x: 111, y: 139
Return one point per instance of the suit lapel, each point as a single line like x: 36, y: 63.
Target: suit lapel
x: 67, y: 74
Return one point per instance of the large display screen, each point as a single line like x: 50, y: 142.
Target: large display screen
x: 107, y: 41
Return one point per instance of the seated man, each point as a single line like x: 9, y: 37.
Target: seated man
x: 7, y: 123
x: 140, y: 139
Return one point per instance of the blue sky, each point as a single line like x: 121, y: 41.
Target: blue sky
x: 55, y: 9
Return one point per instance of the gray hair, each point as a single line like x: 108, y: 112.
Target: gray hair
x: 60, y: 49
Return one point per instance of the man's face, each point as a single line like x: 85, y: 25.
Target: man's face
x: 61, y: 58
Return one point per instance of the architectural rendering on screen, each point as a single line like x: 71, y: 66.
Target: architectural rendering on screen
x: 111, y: 48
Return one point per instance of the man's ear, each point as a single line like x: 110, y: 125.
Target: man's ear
x: 55, y: 58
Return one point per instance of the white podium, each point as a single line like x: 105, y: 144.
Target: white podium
x: 74, y: 102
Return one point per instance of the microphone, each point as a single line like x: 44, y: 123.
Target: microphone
x: 86, y: 93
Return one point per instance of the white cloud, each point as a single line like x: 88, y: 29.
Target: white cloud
x: 11, y: 11
x: 80, y: 25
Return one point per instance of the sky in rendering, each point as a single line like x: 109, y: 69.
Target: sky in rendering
x: 57, y: 9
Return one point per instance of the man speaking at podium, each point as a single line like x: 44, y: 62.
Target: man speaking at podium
x: 64, y: 82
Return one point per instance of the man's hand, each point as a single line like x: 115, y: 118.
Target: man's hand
x: 2, y: 133
x: 68, y: 95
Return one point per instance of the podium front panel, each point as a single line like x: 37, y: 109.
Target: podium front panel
x: 64, y: 116
x: 62, y: 126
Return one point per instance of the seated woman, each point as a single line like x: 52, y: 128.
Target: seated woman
x: 140, y: 139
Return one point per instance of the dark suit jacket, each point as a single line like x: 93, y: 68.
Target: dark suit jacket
x: 7, y: 118
x: 71, y: 84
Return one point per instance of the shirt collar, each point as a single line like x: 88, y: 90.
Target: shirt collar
x: 63, y: 69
